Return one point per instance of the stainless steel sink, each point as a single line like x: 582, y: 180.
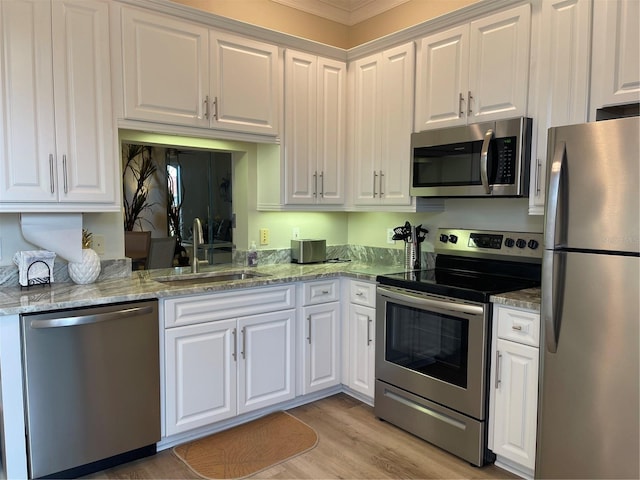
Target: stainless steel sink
x: 205, y: 278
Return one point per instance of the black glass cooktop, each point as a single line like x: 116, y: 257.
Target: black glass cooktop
x: 458, y: 284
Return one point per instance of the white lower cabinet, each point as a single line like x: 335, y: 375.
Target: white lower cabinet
x: 361, y: 337
x: 514, y: 389
x: 319, y: 335
x: 216, y: 367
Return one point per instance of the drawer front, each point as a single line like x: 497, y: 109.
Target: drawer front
x: 362, y: 293
x: 321, y: 291
x: 225, y: 305
x: 520, y: 326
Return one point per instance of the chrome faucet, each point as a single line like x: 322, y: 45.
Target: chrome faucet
x: 198, y: 239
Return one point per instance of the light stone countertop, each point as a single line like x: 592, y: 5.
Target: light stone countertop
x: 141, y: 285
x: 528, y: 299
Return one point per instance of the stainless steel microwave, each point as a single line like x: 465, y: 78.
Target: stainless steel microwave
x: 479, y: 160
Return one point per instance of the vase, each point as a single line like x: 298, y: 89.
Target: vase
x: 87, y: 270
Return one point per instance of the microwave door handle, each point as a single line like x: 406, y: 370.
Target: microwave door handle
x: 484, y: 159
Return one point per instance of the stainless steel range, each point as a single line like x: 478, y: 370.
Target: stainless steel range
x: 434, y: 329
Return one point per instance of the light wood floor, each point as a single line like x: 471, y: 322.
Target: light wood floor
x: 353, y: 443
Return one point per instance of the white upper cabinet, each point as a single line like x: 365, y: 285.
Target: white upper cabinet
x: 165, y: 68
x: 615, y: 74
x: 57, y: 141
x: 562, y: 81
x: 183, y: 73
x: 314, y: 129
x: 382, y: 89
x: 244, y: 84
x: 474, y: 72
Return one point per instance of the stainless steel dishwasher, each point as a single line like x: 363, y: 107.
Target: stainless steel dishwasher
x: 92, y: 387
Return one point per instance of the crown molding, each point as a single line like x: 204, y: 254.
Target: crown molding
x: 347, y: 12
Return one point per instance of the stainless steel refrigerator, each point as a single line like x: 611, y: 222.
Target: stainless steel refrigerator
x: 588, y: 419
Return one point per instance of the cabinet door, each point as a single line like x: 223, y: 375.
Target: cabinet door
x: 266, y: 352
x: 165, y: 68
x: 366, y: 129
x: 85, y: 137
x: 362, y: 349
x: 244, y: 84
x: 563, y: 80
x: 321, y: 347
x: 516, y: 402
x: 442, y: 76
x: 616, y: 53
x: 200, y: 374
x: 27, y: 130
x: 397, y: 66
x: 331, y: 130
x: 499, y: 65
x: 300, y: 127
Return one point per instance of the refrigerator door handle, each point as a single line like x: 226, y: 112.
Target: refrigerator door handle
x: 553, y: 195
x: 553, y: 273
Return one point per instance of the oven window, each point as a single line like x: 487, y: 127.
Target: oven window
x: 430, y: 343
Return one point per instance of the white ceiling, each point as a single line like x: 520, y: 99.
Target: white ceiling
x: 348, y: 12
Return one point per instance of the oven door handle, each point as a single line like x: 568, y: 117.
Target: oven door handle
x: 420, y: 300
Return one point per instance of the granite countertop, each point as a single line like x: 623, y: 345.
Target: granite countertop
x: 528, y: 299
x: 142, y: 285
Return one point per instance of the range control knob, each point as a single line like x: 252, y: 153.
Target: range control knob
x: 444, y: 238
x: 453, y: 238
x: 533, y: 244
x: 520, y: 243
x: 509, y: 242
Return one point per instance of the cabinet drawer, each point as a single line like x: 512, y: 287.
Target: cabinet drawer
x: 520, y: 326
x: 218, y: 306
x: 321, y: 291
x: 362, y: 293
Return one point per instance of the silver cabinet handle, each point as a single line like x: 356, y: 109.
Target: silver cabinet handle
x: 460, y: 102
x: 484, y: 159
x: 215, y: 108
x: 234, y: 332
x: 64, y: 171
x: 375, y: 176
x: 469, y: 98
x: 206, y: 107
x: 498, y: 361
x: 538, y: 168
x: 321, y: 183
x: 51, y: 173
x: 243, y: 352
x: 359, y: 294
x: 516, y: 327
x: 309, y: 330
x: 315, y: 184
x: 369, y: 320
x: 381, y: 177
x: 88, y: 319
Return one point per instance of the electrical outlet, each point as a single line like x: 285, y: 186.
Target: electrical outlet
x: 296, y: 233
x: 97, y: 243
x: 264, y: 236
x: 390, y: 236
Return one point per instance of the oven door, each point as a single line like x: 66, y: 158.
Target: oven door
x: 434, y: 347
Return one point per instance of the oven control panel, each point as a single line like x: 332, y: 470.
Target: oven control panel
x: 485, y: 243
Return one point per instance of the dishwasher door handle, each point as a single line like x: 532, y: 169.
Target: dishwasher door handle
x: 88, y: 319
